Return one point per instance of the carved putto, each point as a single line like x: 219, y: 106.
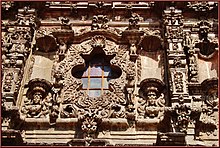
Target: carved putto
x: 152, y: 101
x: 62, y: 47
x: 38, y: 101
x: 89, y: 125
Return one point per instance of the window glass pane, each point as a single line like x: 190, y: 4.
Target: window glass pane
x: 94, y: 93
x: 85, y: 83
x: 105, y: 83
x: 107, y: 71
x: 96, y: 71
x: 95, y: 82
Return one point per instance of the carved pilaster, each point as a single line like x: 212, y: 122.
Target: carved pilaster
x: 173, y: 24
x: 17, y: 43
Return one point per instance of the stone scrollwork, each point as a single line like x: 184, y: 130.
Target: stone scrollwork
x: 111, y: 102
x: 99, y: 22
x: 76, y: 103
x: 133, y: 21
x: 152, y: 103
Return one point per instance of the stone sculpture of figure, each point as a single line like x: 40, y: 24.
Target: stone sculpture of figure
x: 152, y: 108
x: 62, y: 47
x: 203, y: 33
x: 178, y: 80
x: 212, y: 98
x: 133, y: 49
x: 187, y: 40
x: 152, y: 96
x: 36, y: 105
x: 192, y: 65
x: 33, y: 107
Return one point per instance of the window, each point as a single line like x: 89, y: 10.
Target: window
x: 96, y: 76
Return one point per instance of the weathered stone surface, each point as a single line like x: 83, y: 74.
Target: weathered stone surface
x: 110, y: 73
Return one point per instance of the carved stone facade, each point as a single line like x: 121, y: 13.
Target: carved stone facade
x: 110, y: 73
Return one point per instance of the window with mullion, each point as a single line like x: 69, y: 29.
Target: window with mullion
x: 95, y: 78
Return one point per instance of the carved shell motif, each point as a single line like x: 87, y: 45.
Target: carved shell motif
x: 98, y: 41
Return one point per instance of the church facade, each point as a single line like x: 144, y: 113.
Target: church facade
x: 109, y: 73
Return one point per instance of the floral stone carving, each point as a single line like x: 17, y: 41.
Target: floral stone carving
x: 75, y: 102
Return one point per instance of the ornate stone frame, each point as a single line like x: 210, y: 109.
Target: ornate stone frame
x: 105, y: 105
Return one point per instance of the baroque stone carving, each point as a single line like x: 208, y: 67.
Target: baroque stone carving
x: 38, y: 101
x: 62, y: 47
x: 202, y: 6
x: 26, y: 16
x: 178, y: 81
x: 133, y: 21
x: 193, y: 71
x: 152, y: 103
x: 72, y: 85
x: 98, y: 41
x: 207, y: 47
x: 183, y: 113
x: 7, y: 5
x: 187, y: 42
x: 210, y: 87
x: 89, y: 125
x: 99, y: 22
x: 9, y: 77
